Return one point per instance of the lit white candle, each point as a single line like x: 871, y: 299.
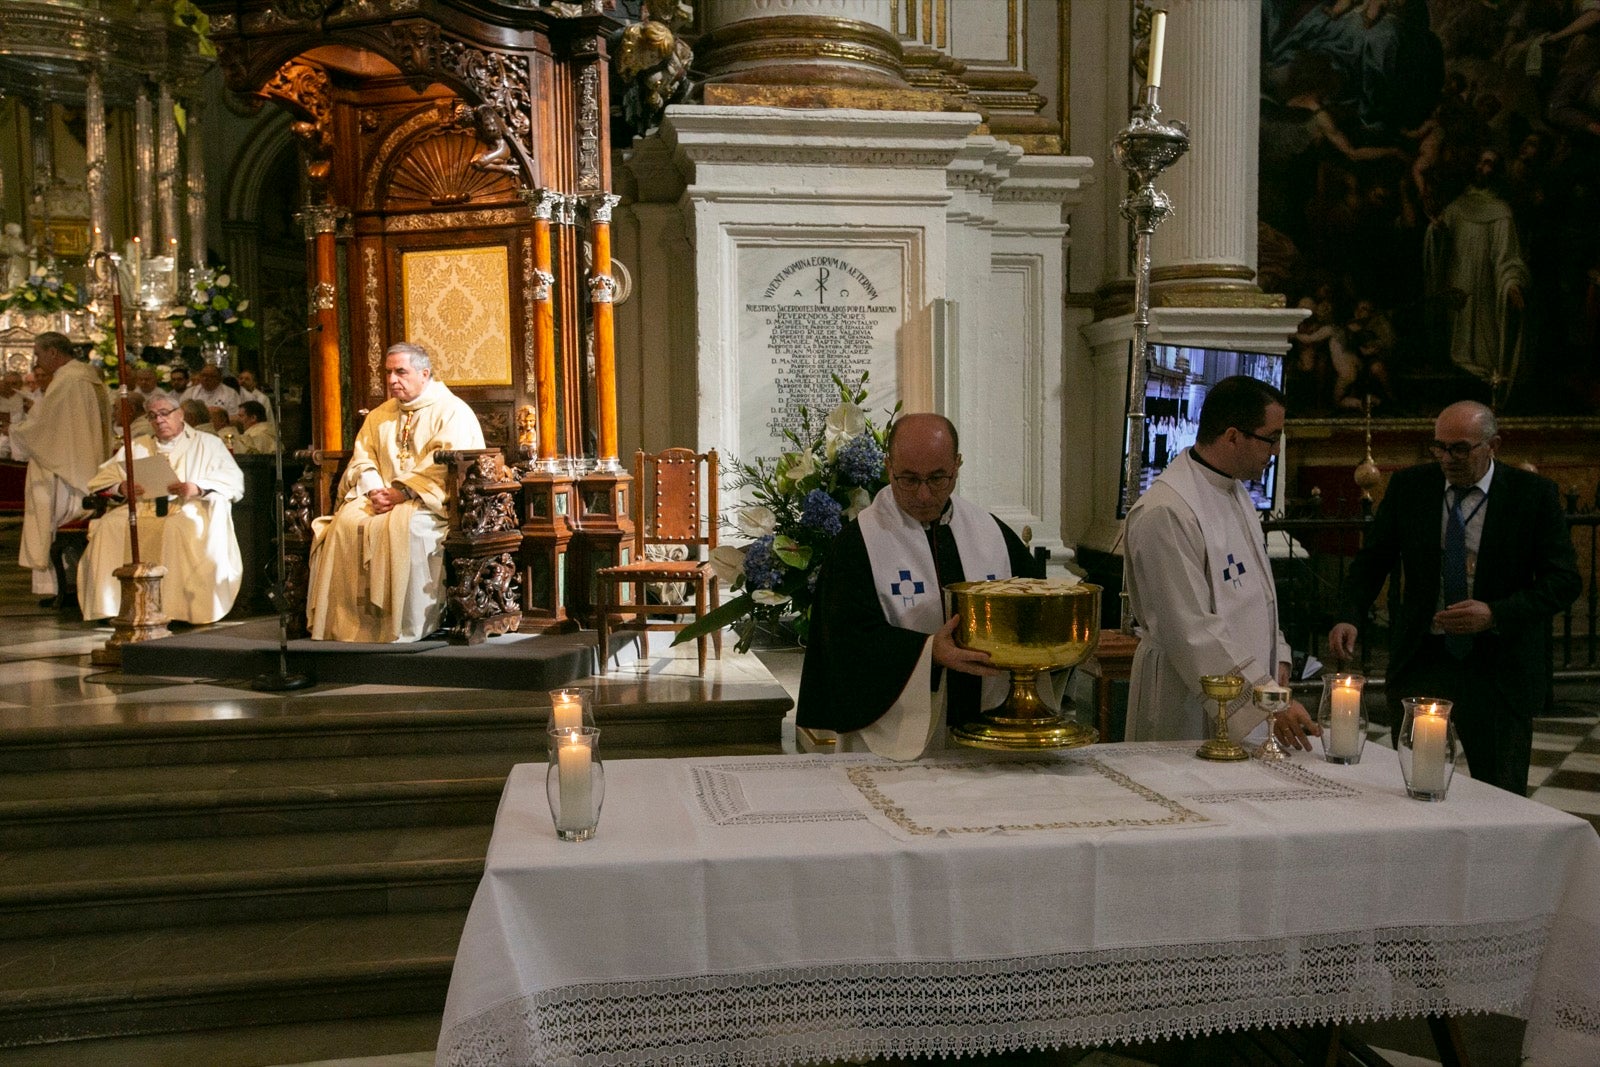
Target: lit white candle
x: 577, y: 803
x: 1158, y: 42
x: 567, y: 712
x: 1429, y: 731
x: 1344, y: 728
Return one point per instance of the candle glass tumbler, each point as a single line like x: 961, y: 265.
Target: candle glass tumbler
x: 1272, y: 699
x: 1343, y: 717
x: 570, y: 709
x: 575, y: 782
x: 1428, y: 747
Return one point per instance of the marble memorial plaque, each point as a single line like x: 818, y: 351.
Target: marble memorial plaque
x: 805, y: 315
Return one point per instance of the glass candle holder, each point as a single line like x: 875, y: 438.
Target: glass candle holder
x: 570, y: 710
x: 575, y: 782
x: 1428, y: 747
x: 1342, y: 717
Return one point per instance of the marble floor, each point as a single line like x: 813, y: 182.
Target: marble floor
x: 46, y: 678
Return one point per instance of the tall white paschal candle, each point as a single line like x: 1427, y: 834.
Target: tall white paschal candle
x: 567, y: 713
x: 1344, y: 728
x: 577, y: 800
x: 1429, y: 731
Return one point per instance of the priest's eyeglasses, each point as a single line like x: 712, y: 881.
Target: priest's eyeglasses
x: 1263, y: 438
x: 936, y: 483
x: 1457, y: 450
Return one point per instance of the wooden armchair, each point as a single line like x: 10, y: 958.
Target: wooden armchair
x: 674, y: 504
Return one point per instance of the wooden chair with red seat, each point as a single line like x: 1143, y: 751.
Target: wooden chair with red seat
x: 674, y: 504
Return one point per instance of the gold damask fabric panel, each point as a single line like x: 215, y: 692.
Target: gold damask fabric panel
x: 458, y: 305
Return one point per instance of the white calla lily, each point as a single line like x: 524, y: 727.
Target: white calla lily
x: 842, y: 426
x: 728, y: 563
x: 768, y: 598
x: 859, y: 499
x: 755, y: 521
x: 796, y: 467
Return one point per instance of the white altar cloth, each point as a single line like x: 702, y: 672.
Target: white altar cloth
x: 770, y: 910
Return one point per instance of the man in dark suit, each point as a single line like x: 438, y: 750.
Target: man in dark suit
x: 1485, y: 566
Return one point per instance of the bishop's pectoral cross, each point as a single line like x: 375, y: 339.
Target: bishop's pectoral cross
x: 1232, y: 571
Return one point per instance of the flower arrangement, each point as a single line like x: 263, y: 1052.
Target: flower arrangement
x: 43, y: 292
x: 103, y: 354
x: 214, y: 314
x: 799, y: 503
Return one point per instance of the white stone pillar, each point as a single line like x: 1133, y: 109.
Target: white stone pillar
x: 1211, y: 73
x: 823, y: 44
x: 876, y: 12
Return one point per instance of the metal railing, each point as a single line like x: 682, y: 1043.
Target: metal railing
x: 1312, y: 556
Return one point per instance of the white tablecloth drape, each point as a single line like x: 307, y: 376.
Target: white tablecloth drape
x: 774, y: 910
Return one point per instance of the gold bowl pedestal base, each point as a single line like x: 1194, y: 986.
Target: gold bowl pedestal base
x: 1223, y: 688
x: 1212, y: 748
x: 1023, y: 723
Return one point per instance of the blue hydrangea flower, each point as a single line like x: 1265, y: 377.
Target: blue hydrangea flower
x: 861, y: 461
x: 819, y: 511
x: 762, y: 568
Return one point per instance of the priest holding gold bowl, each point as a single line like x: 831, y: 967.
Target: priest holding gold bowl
x: 883, y: 668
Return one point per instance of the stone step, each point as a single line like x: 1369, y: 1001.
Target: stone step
x: 115, y: 887
x: 401, y: 1041
x: 429, y: 721
x: 55, y: 989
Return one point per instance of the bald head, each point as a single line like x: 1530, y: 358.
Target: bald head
x: 923, y: 461
x: 1465, y: 439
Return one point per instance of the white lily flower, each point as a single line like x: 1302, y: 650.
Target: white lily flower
x: 728, y: 562
x: 223, y: 281
x: 755, y: 521
x: 796, y: 467
x: 859, y: 498
x: 768, y: 598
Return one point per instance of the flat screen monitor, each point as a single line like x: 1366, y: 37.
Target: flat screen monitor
x: 1175, y: 391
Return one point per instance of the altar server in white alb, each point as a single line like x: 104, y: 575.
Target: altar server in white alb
x: 377, y: 564
x: 1198, y: 578
x: 882, y: 667
x: 64, y: 439
x: 194, y: 539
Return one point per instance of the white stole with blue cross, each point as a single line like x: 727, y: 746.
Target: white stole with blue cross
x: 1242, y: 590
x: 907, y: 584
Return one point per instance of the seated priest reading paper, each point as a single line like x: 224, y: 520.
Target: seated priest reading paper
x: 882, y: 667
x: 377, y: 564
x: 186, y: 525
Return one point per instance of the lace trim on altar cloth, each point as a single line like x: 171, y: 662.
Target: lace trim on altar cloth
x: 1302, y: 784
x: 795, y: 1015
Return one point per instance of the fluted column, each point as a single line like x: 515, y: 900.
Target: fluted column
x: 94, y: 115
x: 1205, y: 254
x: 542, y: 202
x: 144, y: 168
x: 195, y: 193
x: 166, y: 170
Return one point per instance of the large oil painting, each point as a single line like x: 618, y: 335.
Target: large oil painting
x: 1430, y: 193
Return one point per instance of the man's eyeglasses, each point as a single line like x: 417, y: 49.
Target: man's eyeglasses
x: 167, y: 414
x: 1457, y: 450
x: 1273, y: 440
x: 936, y: 483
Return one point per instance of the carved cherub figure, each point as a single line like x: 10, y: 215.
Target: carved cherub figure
x: 653, y: 63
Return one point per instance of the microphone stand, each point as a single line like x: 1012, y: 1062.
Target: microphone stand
x: 281, y: 681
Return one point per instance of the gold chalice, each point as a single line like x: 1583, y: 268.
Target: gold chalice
x: 1026, y: 627
x: 1224, y: 689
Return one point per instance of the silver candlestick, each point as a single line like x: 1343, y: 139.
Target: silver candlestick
x: 1145, y: 147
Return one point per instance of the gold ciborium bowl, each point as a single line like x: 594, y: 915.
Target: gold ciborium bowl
x: 1026, y: 627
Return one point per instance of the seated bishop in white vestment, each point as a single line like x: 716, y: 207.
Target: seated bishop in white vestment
x: 377, y: 564
x: 194, y: 540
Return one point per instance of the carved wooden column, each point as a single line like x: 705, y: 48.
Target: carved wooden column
x: 327, y: 419
x: 602, y: 290
x: 543, y: 202
x: 481, y: 547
